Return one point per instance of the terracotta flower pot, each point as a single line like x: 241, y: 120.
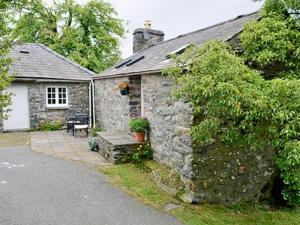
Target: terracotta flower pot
x: 139, y: 137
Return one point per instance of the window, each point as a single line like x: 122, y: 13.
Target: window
x: 57, y: 96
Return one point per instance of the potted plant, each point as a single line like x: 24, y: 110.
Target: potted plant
x: 123, y: 86
x: 93, y: 143
x: 139, y: 126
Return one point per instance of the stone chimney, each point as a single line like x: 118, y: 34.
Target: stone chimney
x: 146, y: 37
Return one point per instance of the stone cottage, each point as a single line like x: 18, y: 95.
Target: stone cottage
x: 47, y: 87
x: 209, y: 175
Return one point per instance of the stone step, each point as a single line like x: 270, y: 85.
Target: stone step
x: 117, y: 146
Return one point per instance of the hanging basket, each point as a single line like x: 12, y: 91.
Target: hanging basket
x: 123, y: 86
x: 124, y: 91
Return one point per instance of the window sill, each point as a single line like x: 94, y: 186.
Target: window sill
x: 57, y: 107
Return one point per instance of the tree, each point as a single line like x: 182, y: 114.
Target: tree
x: 234, y: 105
x: 272, y: 44
x: 88, y: 34
x: 5, y: 61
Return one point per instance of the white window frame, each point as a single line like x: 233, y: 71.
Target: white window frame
x: 57, y: 105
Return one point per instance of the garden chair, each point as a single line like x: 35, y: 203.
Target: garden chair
x: 81, y: 123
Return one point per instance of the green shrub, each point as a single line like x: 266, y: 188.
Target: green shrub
x: 236, y: 105
x: 95, y: 130
x: 139, y: 125
x: 144, y: 152
x: 51, y: 126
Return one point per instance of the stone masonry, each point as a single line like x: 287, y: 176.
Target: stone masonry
x: 170, y: 121
x: 78, y: 101
x: 144, y: 38
x: 228, y: 176
x: 118, y: 147
x: 113, y: 110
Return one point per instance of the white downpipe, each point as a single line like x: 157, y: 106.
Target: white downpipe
x: 93, y: 104
x: 90, y: 104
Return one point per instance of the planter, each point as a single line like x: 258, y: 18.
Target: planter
x: 93, y: 144
x: 139, y: 137
x: 124, y: 91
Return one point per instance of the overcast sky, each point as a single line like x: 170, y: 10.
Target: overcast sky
x: 176, y: 17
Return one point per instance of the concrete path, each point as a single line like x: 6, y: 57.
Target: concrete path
x: 62, y: 145
x: 36, y: 189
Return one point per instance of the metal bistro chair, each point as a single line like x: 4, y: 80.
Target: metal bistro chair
x: 81, y: 123
x: 70, y: 122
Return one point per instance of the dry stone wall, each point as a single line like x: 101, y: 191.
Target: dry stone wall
x: 228, y: 176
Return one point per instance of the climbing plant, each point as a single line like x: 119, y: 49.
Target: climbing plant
x: 235, y: 105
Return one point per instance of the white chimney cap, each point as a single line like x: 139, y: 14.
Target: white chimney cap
x: 148, y: 24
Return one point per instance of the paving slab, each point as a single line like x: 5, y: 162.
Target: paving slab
x: 62, y: 145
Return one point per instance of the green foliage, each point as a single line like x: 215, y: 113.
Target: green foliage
x: 144, y: 152
x: 88, y: 34
x: 50, y: 126
x: 235, y: 105
x: 139, y: 125
x: 95, y: 130
x: 5, y: 61
x: 93, y: 144
x: 272, y: 44
x: 288, y: 162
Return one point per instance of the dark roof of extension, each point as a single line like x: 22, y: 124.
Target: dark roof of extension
x: 36, y: 61
x: 155, y: 56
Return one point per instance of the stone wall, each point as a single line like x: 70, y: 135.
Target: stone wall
x: 78, y: 101
x: 169, y: 120
x: 113, y: 110
x: 228, y: 175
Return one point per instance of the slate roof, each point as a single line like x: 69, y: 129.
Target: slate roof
x: 155, y: 56
x: 39, y: 62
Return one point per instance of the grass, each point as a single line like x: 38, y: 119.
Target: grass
x: 139, y: 183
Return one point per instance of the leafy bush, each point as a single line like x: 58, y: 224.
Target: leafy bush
x: 93, y: 144
x: 236, y: 105
x: 95, y: 130
x: 144, y: 152
x: 139, y: 125
x: 51, y: 126
x: 272, y: 44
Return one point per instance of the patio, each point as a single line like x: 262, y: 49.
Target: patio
x: 62, y: 145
